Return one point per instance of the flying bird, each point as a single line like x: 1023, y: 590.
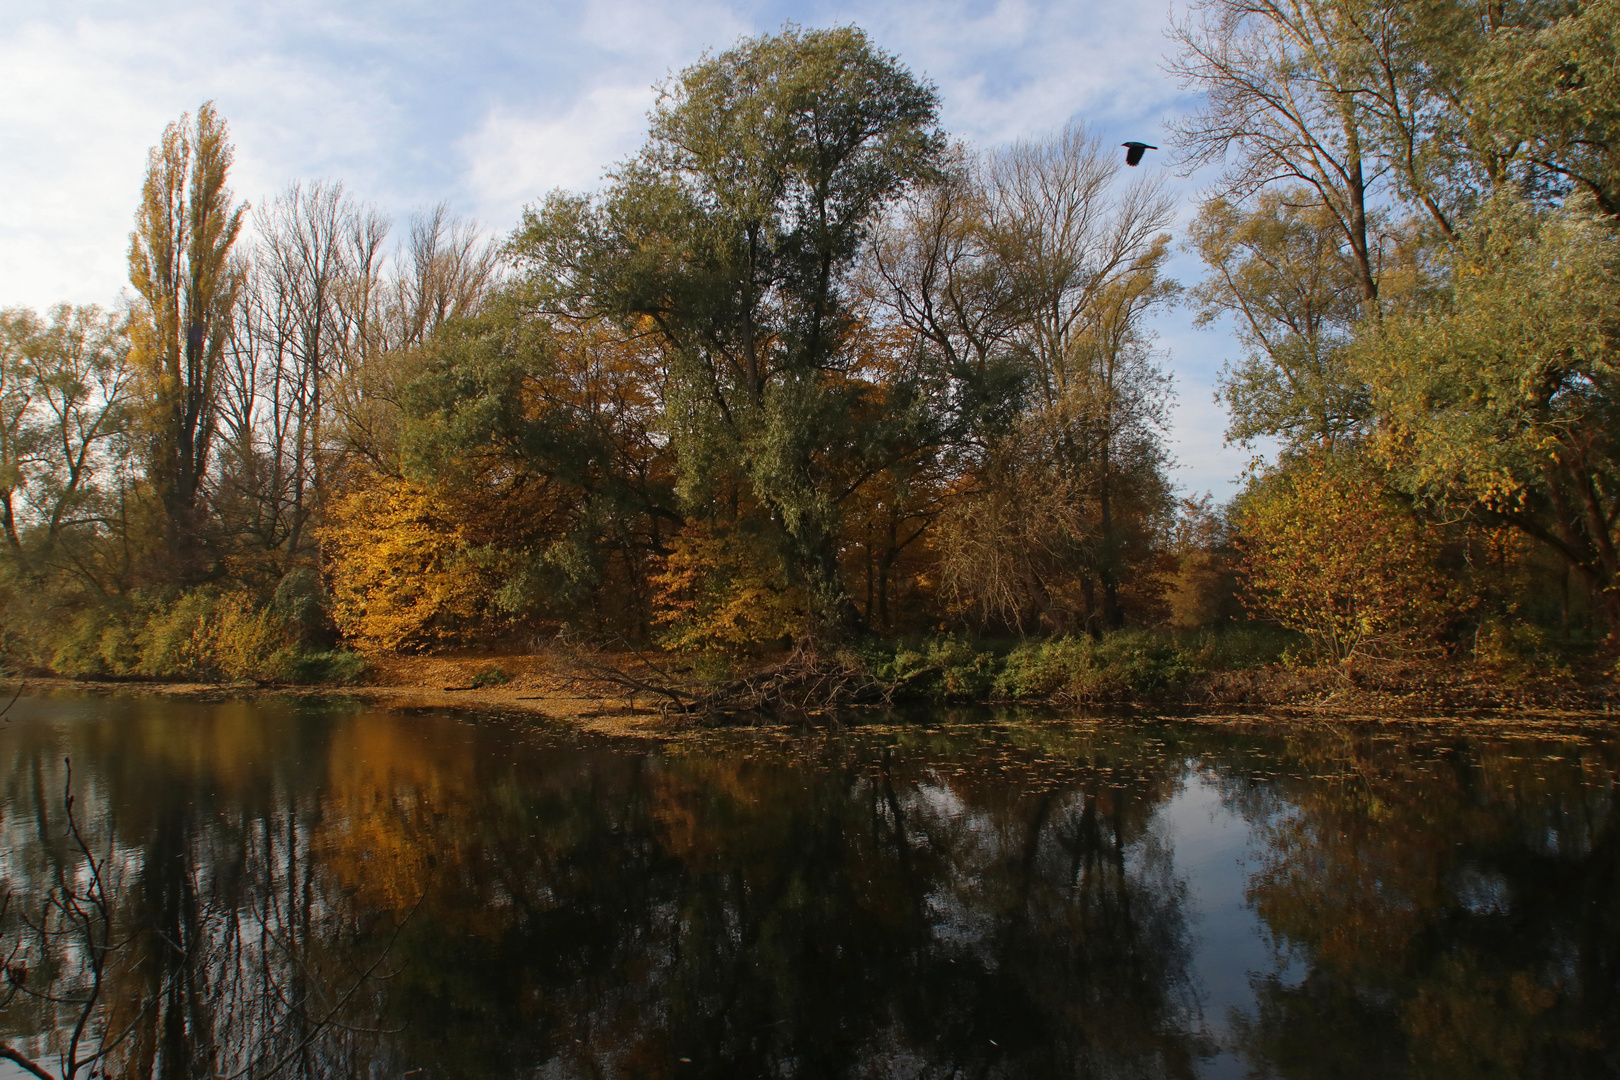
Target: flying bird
x: 1133, y: 151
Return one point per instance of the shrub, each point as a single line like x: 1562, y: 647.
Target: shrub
x: 725, y: 589
x: 938, y: 668
x: 490, y: 676
x: 198, y: 635
x: 1236, y: 648
x: 1517, y: 652
x: 178, y: 641
x: 1129, y: 663
x: 403, y: 576
x: 1328, y: 553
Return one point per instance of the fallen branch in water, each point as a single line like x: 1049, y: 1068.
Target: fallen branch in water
x: 805, y: 682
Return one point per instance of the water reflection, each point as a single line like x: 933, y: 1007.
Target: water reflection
x: 358, y: 892
x: 1456, y: 901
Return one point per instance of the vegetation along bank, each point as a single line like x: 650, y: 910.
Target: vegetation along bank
x: 812, y: 405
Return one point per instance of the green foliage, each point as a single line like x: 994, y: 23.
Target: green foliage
x: 1276, y: 269
x: 1502, y: 399
x: 1238, y: 648
x: 941, y: 668
x: 1517, y: 652
x: 1553, y: 91
x: 493, y: 675
x: 1126, y: 664
x: 731, y: 237
x: 198, y: 635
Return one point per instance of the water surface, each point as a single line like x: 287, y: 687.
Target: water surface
x: 325, y: 889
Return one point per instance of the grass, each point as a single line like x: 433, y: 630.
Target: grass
x: 1126, y: 664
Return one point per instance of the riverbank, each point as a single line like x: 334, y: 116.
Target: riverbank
x: 585, y: 692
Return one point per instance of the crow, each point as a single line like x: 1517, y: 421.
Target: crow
x: 1133, y: 152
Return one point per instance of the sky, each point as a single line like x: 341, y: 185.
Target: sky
x: 489, y: 105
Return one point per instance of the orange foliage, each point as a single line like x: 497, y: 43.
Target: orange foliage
x: 401, y: 575
x: 1327, y: 553
x: 723, y: 587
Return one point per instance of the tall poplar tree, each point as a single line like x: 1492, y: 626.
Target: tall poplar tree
x: 180, y: 265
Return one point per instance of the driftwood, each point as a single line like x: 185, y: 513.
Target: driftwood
x: 806, y: 682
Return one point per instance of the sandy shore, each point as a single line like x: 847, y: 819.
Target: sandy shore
x: 536, y: 685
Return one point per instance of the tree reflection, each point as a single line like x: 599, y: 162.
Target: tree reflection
x: 319, y: 892
x: 1451, y: 901
x: 867, y: 907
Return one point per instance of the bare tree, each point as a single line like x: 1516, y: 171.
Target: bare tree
x: 445, y: 271
x: 1036, y: 261
x: 297, y: 324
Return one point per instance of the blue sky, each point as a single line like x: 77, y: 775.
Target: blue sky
x: 489, y: 105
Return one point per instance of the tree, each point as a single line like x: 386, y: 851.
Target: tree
x: 1028, y: 275
x: 1277, y: 267
x: 1326, y: 551
x: 733, y: 235
x: 1550, y: 89
x: 444, y: 272
x: 402, y: 576
x: 180, y: 265
x: 66, y: 389
x: 1285, y: 92
x: 545, y: 435
x: 1502, y: 399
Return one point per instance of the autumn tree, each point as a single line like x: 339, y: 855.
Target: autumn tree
x: 546, y: 436
x: 181, y: 268
x: 1287, y: 99
x: 403, y: 575
x: 1501, y: 400
x: 733, y: 234
x: 1028, y: 274
x: 1328, y: 553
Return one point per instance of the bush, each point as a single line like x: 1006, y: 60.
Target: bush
x: 200, y: 636
x: 1518, y: 652
x: 490, y: 676
x: 1126, y: 664
x: 1238, y: 648
x: 1328, y: 553
x: 937, y: 668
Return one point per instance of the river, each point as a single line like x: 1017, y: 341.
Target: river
x: 303, y: 888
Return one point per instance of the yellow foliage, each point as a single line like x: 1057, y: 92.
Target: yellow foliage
x: 725, y: 589
x: 1328, y: 554
x: 401, y: 576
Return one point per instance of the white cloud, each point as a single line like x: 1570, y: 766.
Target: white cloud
x: 516, y: 156
x: 660, y: 36
x: 84, y: 101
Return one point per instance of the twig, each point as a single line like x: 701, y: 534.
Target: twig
x: 13, y: 700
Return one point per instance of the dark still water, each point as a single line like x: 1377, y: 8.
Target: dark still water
x: 335, y: 890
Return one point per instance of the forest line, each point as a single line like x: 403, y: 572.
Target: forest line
x: 807, y: 372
